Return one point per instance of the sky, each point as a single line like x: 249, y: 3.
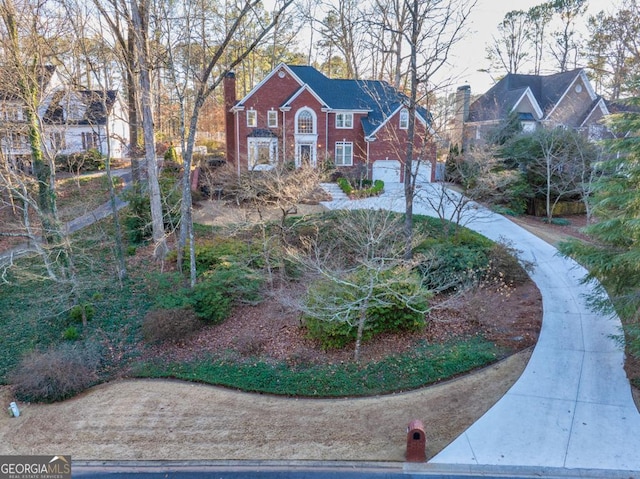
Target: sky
x: 470, y: 53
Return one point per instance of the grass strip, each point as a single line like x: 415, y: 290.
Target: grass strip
x: 427, y: 364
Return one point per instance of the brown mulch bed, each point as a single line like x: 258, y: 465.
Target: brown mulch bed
x: 510, y: 318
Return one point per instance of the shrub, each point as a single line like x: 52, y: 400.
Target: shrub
x: 90, y: 160
x: 170, y: 325
x: 80, y: 311
x: 397, y: 303
x: 344, y: 185
x: 56, y: 374
x: 361, y: 188
x: 504, y: 263
x: 171, y: 155
x: 446, y: 266
x: 71, y: 334
x: 223, y: 287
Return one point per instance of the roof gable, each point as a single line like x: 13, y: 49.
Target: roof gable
x: 82, y: 107
x: 504, y: 96
x: 377, y: 99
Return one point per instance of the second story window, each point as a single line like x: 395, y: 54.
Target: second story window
x: 11, y: 112
x: 344, y: 120
x: 272, y: 119
x: 404, y: 119
x: 304, y: 122
x: 252, y: 118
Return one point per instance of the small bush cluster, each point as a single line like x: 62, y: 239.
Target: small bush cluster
x: 170, y: 325
x: 90, y: 160
x: 397, y: 304
x: 222, y: 287
x: 362, y: 188
x: 56, y: 374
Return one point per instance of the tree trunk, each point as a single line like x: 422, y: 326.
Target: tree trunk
x: 140, y: 18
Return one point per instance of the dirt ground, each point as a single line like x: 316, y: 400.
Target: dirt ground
x: 173, y: 420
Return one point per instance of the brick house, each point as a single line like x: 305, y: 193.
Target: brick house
x: 564, y: 99
x: 296, y: 114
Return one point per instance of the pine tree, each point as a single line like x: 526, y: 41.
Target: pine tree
x: 613, y: 258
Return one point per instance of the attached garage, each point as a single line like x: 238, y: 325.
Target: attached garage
x: 423, y: 170
x: 387, y: 171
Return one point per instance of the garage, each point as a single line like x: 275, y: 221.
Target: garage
x: 422, y: 171
x: 386, y: 170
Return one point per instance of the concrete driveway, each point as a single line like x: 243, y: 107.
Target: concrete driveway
x: 572, y: 407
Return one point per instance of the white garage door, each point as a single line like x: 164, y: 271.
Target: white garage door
x: 387, y: 171
x: 424, y: 172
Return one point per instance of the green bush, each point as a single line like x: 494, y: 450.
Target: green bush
x: 504, y: 264
x: 344, y: 185
x: 71, y: 334
x: 222, y: 287
x: 363, y: 189
x: 446, y: 266
x: 78, y: 311
x: 397, y: 303
x: 170, y: 325
x: 56, y: 374
x: 90, y: 160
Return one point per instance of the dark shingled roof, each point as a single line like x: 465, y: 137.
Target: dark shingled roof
x: 97, y: 105
x: 498, y: 102
x: 378, y: 98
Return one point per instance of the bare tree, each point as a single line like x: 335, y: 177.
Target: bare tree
x: 369, y: 273
x: 613, y: 50
x: 204, y: 75
x: 25, y: 79
x: 566, y: 42
x: 538, y: 17
x: 508, y: 49
x: 435, y: 26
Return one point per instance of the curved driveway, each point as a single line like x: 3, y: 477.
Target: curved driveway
x: 572, y: 407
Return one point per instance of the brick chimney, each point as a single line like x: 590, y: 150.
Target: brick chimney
x: 463, y: 99
x: 229, y: 86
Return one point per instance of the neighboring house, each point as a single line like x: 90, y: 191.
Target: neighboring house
x: 73, y: 121
x: 298, y: 115
x: 560, y: 100
x: 82, y: 120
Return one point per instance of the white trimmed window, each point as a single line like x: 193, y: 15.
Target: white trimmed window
x: 262, y: 153
x: 344, y: 153
x: 404, y: 119
x: 344, y: 120
x: 272, y: 119
x: 305, y: 122
x: 90, y: 140
x: 252, y: 118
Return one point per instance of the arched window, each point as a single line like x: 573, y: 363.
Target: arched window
x: 305, y: 122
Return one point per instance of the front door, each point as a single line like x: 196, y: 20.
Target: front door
x: 306, y: 154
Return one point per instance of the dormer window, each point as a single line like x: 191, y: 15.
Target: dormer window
x: 344, y: 120
x: 404, y: 119
x: 252, y: 118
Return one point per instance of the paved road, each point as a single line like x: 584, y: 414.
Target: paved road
x: 327, y: 470
x: 572, y: 407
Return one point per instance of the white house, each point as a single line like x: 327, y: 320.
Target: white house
x: 72, y: 121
